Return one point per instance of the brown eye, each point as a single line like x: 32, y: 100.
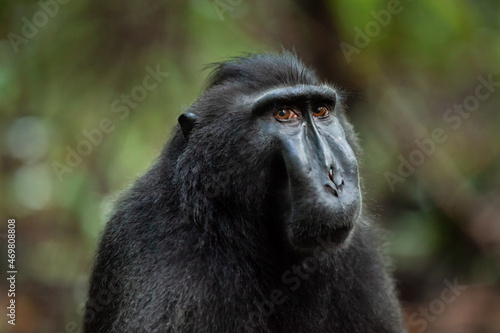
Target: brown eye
x: 321, y: 112
x: 285, y: 114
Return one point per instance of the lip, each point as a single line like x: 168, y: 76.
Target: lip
x: 330, y: 239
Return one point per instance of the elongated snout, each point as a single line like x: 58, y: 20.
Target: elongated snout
x: 324, y: 190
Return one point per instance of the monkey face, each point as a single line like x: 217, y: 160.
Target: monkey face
x: 319, y: 193
x: 292, y: 152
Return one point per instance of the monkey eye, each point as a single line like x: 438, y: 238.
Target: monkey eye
x: 285, y: 114
x: 321, y: 112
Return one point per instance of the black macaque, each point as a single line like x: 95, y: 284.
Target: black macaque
x: 250, y: 220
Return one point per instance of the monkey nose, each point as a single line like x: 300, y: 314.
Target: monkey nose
x: 337, y: 180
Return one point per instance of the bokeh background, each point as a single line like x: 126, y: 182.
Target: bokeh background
x: 411, y: 68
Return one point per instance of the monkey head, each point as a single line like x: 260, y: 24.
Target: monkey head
x: 290, y: 149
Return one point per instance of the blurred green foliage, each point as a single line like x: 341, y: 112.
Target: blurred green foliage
x: 60, y: 79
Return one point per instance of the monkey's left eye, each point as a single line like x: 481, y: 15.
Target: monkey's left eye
x: 321, y: 112
x: 285, y: 114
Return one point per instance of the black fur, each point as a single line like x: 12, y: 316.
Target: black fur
x: 193, y: 246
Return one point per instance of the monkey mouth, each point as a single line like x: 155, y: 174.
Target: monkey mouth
x: 329, y: 239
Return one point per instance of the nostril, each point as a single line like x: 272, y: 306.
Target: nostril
x: 332, y: 190
x: 337, y: 179
x: 339, y: 183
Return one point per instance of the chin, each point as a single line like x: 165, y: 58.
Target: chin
x: 329, y: 240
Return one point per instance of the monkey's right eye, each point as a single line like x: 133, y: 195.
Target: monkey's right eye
x: 285, y: 114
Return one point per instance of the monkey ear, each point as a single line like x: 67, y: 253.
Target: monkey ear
x: 187, y: 121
